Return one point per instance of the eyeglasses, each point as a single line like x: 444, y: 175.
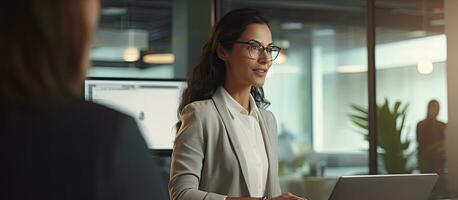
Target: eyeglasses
x: 255, y: 49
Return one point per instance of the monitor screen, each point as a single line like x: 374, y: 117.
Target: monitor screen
x: 153, y: 103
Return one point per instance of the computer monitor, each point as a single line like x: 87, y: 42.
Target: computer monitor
x: 383, y: 187
x: 152, y: 102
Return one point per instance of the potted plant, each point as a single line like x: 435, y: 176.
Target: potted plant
x: 393, y: 144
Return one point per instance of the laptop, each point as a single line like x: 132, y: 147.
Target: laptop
x: 383, y: 187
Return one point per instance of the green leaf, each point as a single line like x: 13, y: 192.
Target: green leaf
x: 361, y: 124
x: 402, y: 124
x: 359, y: 108
x: 358, y: 117
x: 396, y: 107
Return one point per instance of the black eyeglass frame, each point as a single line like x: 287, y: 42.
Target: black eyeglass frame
x: 266, y: 49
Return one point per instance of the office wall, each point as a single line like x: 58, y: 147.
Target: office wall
x: 451, y: 30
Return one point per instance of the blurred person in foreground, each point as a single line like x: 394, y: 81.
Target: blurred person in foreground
x: 53, y: 144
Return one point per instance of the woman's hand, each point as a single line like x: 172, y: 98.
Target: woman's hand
x: 288, y: 196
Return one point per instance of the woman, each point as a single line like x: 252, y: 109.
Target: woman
x: 53, y: 145
x: 226, y: 145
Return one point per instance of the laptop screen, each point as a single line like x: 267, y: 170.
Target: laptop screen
x: 383, y: 187
x: 153, y: 103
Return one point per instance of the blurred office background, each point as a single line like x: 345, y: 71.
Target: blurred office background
x: 318, y: 86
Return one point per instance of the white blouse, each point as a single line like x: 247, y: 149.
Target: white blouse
x: 249, y: 134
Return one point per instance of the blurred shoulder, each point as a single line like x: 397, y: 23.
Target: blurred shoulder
x: 91, y: 112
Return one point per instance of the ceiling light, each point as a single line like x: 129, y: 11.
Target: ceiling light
x: 163, y: 58
x: 284, y: 44
x: 324, y: 32
x: 292, y: 26
x: 131, y: 54
x: 425, y: 67
x: 352, y: 69
x: 114, y: 11
x: 417, y: 33
x: 437, y: 22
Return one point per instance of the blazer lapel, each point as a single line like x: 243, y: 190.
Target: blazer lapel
x: 267, y: 142
x: 236, y: 145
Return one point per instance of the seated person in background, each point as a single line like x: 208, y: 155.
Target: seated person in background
x: 53, y: 145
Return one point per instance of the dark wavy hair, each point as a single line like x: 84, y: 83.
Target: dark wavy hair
x: 210, y: 71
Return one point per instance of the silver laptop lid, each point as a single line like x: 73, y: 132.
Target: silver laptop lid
x: 383, y: 187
